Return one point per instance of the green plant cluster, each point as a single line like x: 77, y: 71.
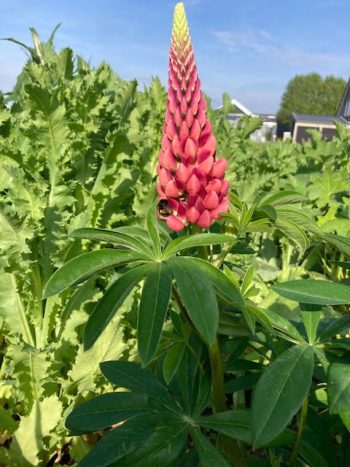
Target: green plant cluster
x: 125, y: 344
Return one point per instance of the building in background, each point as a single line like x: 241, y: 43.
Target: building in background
x: 267, y: 132
x: 324, y: 123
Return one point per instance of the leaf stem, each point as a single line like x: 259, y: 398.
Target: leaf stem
x: 229, y: 445
x: 294, y: 455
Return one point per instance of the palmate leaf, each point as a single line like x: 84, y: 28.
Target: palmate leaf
x: 339, y: 387
x: 114, y: 236
x: 82, y: 267
x: 106, y: 410
x: 223, y: 286
x: 153, y: 307
x: 208, y: 454
x: 280, y: 392
x: 315, y: 292
x: 111, y: 302
x: 121, y: 441
x: 198, y: 296
x: 130, y: 376
x: 234, y: 423
x: 190, y: 241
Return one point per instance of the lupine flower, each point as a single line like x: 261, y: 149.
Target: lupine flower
x: 191, y: 180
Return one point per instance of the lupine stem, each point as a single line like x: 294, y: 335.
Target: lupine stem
x: 303, y: 415
x: 229, y: 445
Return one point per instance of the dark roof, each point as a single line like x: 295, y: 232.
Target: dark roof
x: 344, y: 103
x: 316, y: 119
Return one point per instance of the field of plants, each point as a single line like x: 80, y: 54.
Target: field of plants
x: 126, y: 343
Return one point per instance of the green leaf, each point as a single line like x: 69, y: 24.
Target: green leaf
x: 153, y: 307
x: 330, y: 327
x: 28, y: 440
x: 224, y: 287
x: 81, y: 267
x: 280, y: 393
x: 162, y: 448
x: 121, y: 441
x: 106, y: 410
x: 153, y: 230
x: 283, y: 197
x: 341, y: 243
x: 339, y: 387
x: 190, y: 241
x: 284, y: 326
x: 130, y: 376
x: 209, y: 456
x: 172, y: 360
x: 114, y: 236
x: 111, y: 302
x: 233, y: 423
x: 311, y: 315
x: 314, y: 292
x: 198, y: 297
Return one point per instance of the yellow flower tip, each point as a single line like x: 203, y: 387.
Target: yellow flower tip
x: 180, y: 31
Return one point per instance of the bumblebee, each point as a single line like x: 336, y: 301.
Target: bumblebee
x: 164, y: 209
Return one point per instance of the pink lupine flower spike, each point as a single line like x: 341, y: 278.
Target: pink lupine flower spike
x: 191, y: 179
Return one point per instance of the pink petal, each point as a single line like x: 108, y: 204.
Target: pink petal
x: 205, y: 220
x: 164, y: 177
x: 183, y: 173
x: 192, y: 215
x: 219, y: 168
x: 189, y: 118
x: 193, y: 185
x: 172, y: 101
x: 224, y: 187
x: 171, y: 190
x: 211, y: 201
x: 190, y: 148
x: 176, y: 146
x: 160, y: 192
x: 175, y: 223
x: 214, y: 185
x: 223, y: 207
x: 177, y: 117
x: 183, y: 134
x: 207, y: 164
x: 195, y: 130
x: 183, y: 106
x: 168, y: 160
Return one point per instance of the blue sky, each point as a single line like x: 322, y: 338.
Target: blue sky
x: 249, y: 48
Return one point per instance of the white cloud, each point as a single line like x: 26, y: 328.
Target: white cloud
x: 261, y: 42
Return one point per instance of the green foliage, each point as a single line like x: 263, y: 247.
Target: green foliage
x: 311, y: 94
x: 212, y: 344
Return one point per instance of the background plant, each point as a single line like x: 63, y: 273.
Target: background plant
x: 72, y: 135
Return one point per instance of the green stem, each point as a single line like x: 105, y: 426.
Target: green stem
x: 294, y: 455
x: 217, y: 377
x: 225, y: 251
x: 229, y: 445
